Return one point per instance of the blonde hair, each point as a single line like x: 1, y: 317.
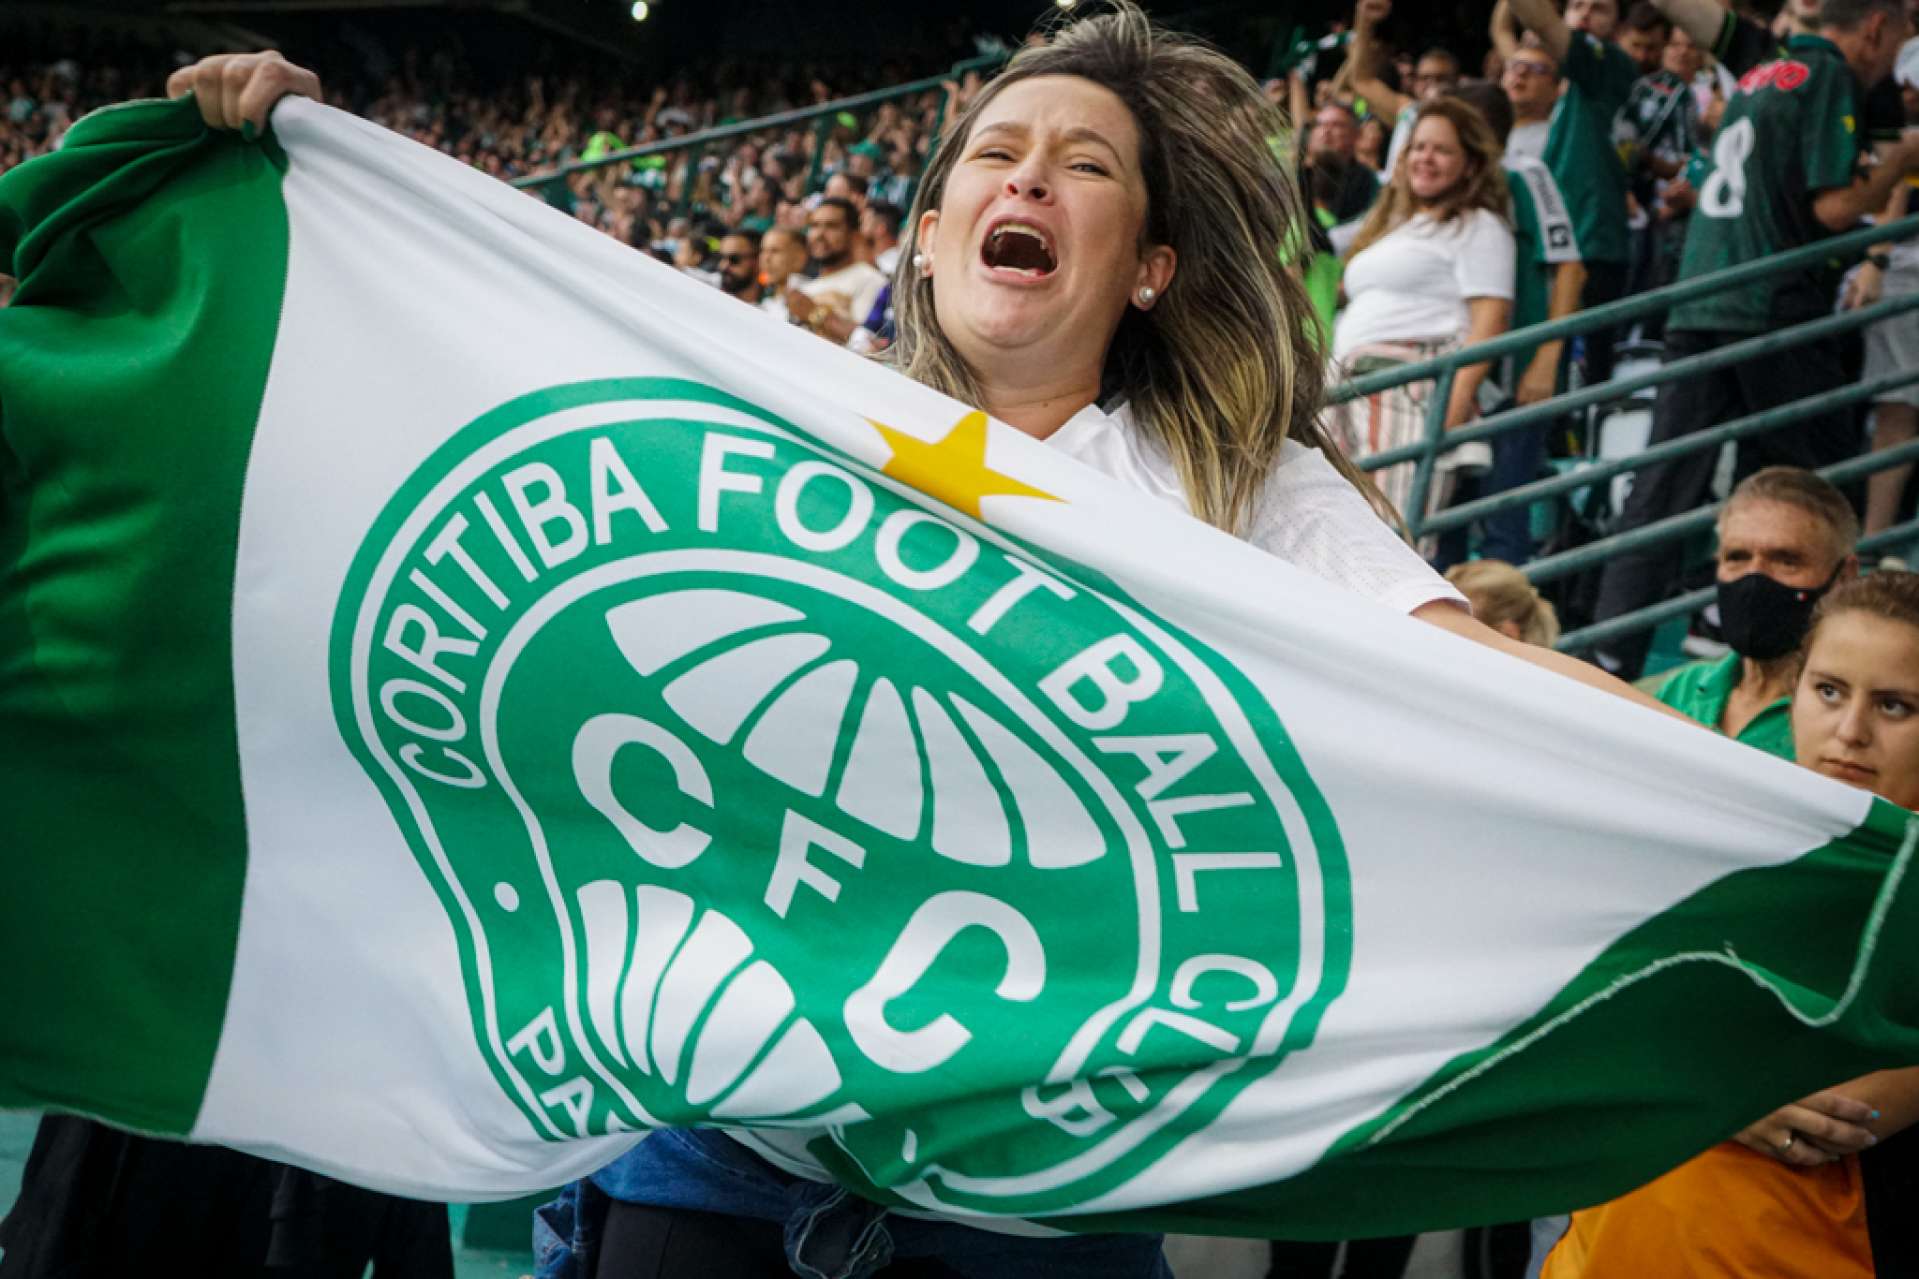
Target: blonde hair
x: 1226, y: 367
x: 1482, y: 186
x: 1500, y: 593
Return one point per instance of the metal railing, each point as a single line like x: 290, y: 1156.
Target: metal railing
x: 822, y: 118
x: 1442, y: 370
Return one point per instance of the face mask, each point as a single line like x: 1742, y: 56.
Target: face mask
x: 1763, y: 618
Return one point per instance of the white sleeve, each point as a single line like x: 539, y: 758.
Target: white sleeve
x: 1486, y: 256
x: 1559, y: 242
x: 1313, y: 518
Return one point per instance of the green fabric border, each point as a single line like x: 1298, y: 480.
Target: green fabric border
x: 152, y: 256
x: 1763, y: 986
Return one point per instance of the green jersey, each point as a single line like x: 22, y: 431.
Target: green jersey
x: 1700, y: 691
x: 1790, y: 131
x: 1744, y: 44
x: 1544, y: 237
x: 1579, y: 146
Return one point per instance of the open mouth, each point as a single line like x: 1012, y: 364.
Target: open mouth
x: 1019, y: 247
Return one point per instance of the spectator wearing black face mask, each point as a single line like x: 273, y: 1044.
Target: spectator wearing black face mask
x: 1785, y: 539
x: 1787, y: 169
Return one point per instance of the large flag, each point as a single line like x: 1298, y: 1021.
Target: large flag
x: 470, y: 694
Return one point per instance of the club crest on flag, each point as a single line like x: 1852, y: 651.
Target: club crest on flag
x: 760, y: 791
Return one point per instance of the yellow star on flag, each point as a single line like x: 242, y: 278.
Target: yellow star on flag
x: 952, y: 468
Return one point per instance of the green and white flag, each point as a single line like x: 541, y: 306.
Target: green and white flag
x: 469, y: 694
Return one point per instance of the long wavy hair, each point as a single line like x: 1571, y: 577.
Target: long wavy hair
x: 1227, y: 366
x: 1481, y: 186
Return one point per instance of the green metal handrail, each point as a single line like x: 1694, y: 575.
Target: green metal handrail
x: 778, y: 120
x: 1700, y: 518
x: 1443, y: 369
x: 1612, y: 314
x: 1596, y: 473
x: 1621, y: 388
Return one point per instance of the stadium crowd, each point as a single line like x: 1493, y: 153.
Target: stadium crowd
x: 676, y: 205
x: 1599, y: 152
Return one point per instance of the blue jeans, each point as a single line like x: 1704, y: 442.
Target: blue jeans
x: 1508, y: 536
x: 1517, y: 456
x: 830, y: 1233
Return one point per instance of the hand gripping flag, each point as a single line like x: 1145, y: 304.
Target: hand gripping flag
x: 470, y: 694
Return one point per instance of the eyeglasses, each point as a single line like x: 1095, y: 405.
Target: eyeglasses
x: 732, y: 258
x: 1523, y: 69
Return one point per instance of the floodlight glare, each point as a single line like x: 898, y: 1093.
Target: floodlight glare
x: 640, y: 10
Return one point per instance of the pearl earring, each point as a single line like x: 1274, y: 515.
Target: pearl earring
x: 1146, y: 296
x: 922, y: 264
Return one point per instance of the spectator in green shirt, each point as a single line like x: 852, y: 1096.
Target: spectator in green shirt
x: 1740, y: 44
x: 1579, y: 148
x: 1785, y: 539
x: 1785, y: 172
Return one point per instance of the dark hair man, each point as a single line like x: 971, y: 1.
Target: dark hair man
x: 739, y: 264
x: 1785, y: 173
x: 845, y: 287
x: 1659, y: 132
x: 1644, y: 34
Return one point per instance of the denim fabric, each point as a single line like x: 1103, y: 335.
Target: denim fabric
x: 1517, y: 456
x: 829, y: 1232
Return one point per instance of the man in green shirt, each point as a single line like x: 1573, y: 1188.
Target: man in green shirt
x: 1579, y: 147
x: 1785, y: 172
x: 1740, y: 44
x: 1785, y: 538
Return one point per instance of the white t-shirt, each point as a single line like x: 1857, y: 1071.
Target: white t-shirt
x: 1529, y: 139
x: 1412, y: 283
x: 859, y: 284
x: 1308, y: 515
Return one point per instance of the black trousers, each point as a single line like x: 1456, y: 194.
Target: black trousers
x: 1639, y: 578
x: 1365, y: 1259
x: 98, y: 1203
x: 1605, y: 282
